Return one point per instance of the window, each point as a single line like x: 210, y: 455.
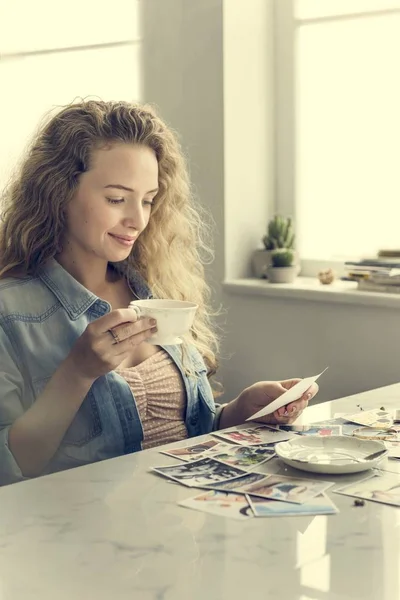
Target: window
x: 49, y: 57
x: 338, y: 124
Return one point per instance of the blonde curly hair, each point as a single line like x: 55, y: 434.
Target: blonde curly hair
x: 169, y: 253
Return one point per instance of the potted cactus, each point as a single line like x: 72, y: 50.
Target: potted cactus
x: 282, y: 268
x: 280, y: 235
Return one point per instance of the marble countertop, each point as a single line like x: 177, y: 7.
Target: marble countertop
x: 114, y: 530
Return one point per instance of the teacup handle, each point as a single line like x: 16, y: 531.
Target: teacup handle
x: 136, y: 309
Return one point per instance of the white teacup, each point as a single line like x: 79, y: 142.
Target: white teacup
x: 174, y: 318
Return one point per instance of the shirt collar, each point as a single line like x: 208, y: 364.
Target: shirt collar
x: 136, y: 282
x: 74, y: 297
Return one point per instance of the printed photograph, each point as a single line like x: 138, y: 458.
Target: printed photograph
x: 321, y: 429
x: 205, y: 470
x: 235, y: 485
x: 287, y: 489
x: 246, y: 457
x: 254, y: 435
x: 324, y: 431
x: 191, y: 452
x: 378, y: 488
x: 371, y: 418
x: 223, y: 504
x: 320, y: 505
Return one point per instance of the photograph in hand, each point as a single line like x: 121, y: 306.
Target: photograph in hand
x: 292, y: 394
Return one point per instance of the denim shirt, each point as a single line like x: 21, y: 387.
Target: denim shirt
x: 40, y: 319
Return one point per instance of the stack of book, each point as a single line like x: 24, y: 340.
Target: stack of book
x: 380, y: 274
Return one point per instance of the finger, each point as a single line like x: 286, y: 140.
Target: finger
x: 282, y: 418
x: 275, y: 419
x: 289, y: 383
x: 115, y: 318
x: 285, y: 420
x: 312, y: 391
x: 124, y: 348
x: 295, y: 407
x: 281, y: 411
x: 126, y: 330
x: 291, y: 413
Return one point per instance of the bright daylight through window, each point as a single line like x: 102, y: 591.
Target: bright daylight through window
x: 341, y: 149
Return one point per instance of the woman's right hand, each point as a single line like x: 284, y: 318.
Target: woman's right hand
x: 97, y: 351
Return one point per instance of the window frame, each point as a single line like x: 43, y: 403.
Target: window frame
x: 285, y: 29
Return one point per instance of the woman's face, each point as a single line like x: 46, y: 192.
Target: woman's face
x: 112, y: 204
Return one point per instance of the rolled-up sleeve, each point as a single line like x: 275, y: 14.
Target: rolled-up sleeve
x: 217, y: 417
x: 11, y: 394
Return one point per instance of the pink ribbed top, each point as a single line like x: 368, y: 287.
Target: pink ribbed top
x: 160, y: 396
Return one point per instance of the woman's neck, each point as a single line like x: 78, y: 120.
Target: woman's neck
x: 96, y: 276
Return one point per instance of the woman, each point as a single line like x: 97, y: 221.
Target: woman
x: 99, y: 214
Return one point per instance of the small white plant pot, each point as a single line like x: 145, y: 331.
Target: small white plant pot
x: 261, y: 260
x: 282, y: 274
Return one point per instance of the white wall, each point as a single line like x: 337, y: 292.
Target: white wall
x: 248, y: 128
x: 182, y: 76
x: 208, y: 67
x: 283, y: 339
x: 47, y: 61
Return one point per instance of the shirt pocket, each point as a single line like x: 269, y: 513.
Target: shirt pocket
x: 86, y: 424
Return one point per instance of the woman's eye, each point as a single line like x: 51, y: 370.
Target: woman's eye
x: 148, y: 202
x: 115, y: 200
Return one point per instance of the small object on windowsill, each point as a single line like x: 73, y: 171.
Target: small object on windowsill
x: 349, y: 278
x: 282, y: 268
x: 326, y: 277
x: 381, y: 288
x: 359, y: 502
x: 389, y: 253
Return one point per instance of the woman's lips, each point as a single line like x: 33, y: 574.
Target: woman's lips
x: 123, y: 240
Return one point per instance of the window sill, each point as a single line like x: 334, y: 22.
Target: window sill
x: 309, y: 288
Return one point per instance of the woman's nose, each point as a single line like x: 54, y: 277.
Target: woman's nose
x: 135, y: 218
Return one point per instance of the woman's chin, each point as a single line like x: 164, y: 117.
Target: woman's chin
x: 118, y: 256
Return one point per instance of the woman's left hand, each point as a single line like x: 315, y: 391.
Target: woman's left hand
x: 259, y: 395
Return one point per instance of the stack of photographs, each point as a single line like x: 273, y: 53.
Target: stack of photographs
x: 226, y: 470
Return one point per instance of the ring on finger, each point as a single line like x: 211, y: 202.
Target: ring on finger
x: 115, y: 336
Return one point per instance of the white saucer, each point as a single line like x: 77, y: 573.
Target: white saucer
x: 319, y: 452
